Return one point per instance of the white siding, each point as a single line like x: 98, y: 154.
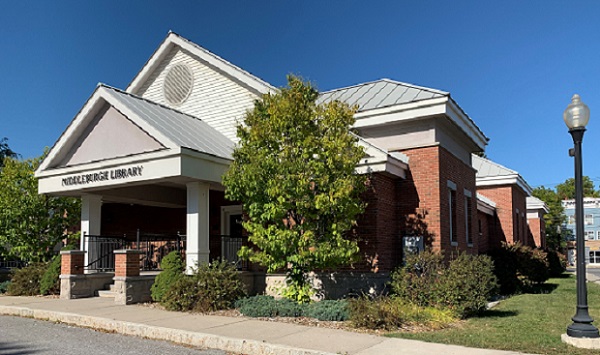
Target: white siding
x: 215, y: 98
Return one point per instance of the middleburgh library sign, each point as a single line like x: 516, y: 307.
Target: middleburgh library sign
x: 103, y: 175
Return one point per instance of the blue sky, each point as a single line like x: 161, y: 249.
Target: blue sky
x: 511, y: 65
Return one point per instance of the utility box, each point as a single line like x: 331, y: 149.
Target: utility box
x: 412, y: 244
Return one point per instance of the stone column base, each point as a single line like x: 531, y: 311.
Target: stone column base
x: 133, y: 289
x: 81, y: 286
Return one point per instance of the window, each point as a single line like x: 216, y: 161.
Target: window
x: 598, y: 236
x: 589, y: 219
x: 468, y: 218
x: 589, y: 235
x: 571, y: 220
x: 452, y: 210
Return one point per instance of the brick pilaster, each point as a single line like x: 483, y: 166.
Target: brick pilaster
x: 71, y: 262
x: 127, y: 263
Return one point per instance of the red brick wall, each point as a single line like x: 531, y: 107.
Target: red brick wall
x: 537, y: 232
x: 71, y: 263
x: 485, y: 221
x: 508, y: 199
x: 424, y: 201
x: 378, y: 233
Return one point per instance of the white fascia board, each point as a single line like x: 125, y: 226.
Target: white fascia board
x: 110, y: 163
x: 257, y: 85
x: 485, y: 208
x: 77, y: 125
x: 514, y: 179
x: 405, y: 112
x: 457, y: 115
x: 74, y: 181
x: 386, y: 164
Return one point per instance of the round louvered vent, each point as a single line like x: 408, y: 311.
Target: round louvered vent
x: 178, y: 84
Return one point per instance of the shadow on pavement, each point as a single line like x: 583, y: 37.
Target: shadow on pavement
x: 14, y: 348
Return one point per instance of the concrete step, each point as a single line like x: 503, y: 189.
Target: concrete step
x: 106, y: 293
x: 111, y: 287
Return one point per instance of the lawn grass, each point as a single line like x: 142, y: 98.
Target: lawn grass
x: 530, y: 323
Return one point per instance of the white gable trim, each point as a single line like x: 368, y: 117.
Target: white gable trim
x: 514, y: 179
x: 250, y: 81
x: 379, y: 160
x: 86, y: 115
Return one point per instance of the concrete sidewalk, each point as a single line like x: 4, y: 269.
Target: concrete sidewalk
x: 239, y: 335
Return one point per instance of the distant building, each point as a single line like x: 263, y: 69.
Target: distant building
x: 591, y: 223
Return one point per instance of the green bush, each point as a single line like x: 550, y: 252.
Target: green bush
x: 267, y: 306
x: 393, y: 313
x: 468, y: 284
x: 26, y: 281
x: 519, y: 267
x: 212, y: 287
x: 557, y: 263
x: 463, y: 286
x: 419, y: 279
x: 329, y: 310
x: 4, y: 286
x: 50, y: 282
x: 173, y: 267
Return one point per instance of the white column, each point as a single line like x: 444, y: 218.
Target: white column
x: 91, y: 206
x: 197, y: 229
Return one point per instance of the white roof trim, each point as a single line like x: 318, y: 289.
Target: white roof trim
x: 485, y: 205
x: 250, y: 81
x: 379, y: 160
x: 534, y: 203
x: 514, y: 179
x: 423, y: 109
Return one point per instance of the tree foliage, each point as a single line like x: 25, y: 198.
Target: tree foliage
x: 294, y: 171
x: 566, y: 190
x: 31, y: 224
x: 5, y: 151
x: 554, y: 219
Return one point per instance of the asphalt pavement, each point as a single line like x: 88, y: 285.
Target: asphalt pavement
x: 32, y: 336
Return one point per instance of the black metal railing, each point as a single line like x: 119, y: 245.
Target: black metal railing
x: 155, y: 247
x: 12, y: 264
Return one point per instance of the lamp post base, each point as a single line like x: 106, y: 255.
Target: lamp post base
x: 582, y: 330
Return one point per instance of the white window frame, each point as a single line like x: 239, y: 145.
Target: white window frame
x: 586, y: 235
x: 588, y: 219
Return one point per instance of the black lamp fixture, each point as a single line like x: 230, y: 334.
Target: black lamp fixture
x: 576, y: 117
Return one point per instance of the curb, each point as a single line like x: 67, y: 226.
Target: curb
x: 202, y: 340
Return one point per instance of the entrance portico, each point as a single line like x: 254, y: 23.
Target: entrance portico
x: 121, y: 149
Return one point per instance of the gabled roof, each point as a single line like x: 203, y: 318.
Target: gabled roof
x: 384, y: 101
x: 380, y: 93
x: 490, y: 173
x: 171, y: 128
x: 237, y: 74
x: 182, y: 129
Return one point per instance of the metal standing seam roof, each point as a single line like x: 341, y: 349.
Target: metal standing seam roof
x: 380, y: 93
x: 184, y: 130
x: 487, y: 168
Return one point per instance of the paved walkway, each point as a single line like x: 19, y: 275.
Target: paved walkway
x: 239, y: 335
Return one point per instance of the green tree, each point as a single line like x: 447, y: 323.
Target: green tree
x: 566, y: 190
x: 294, y: 171
x: 5, y: 151
x: 31, y: 224
x: 555, y: 217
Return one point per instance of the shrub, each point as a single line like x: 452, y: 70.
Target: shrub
x: 463, y: 286
x: 4, y: 286
x: 468, y: 284
x: 329, y: 310
x: 392, y: 313
x: 212, y: 287
x: 26, y: 281
x: 173, y: 267
x: 557, y: 263
x: 267, y: 306
x: 50, y: 282
x: 518, y: 267
x: 419, y: 279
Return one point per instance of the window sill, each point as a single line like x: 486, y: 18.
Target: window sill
x: 454, y: 244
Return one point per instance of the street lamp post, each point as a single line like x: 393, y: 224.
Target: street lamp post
x: 576, y: 117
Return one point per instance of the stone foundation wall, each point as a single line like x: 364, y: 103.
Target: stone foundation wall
x: 133, y: 289
x: 81, y: 286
